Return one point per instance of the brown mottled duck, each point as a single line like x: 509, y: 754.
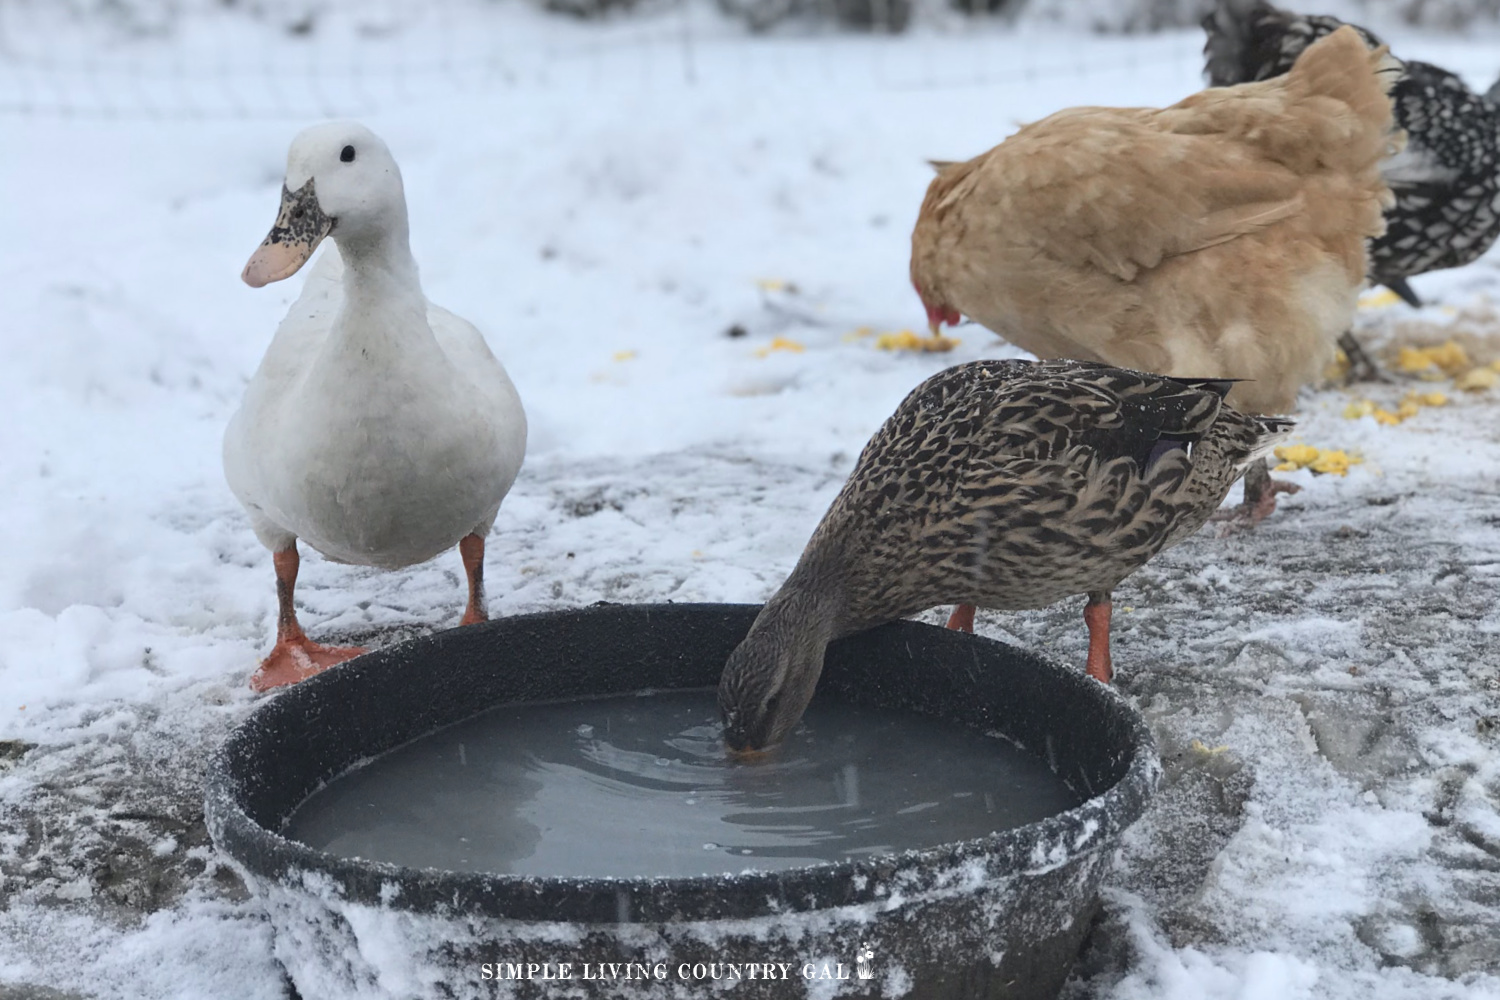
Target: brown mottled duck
x: 1001, y: 484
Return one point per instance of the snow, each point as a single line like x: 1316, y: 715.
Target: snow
x: 605, y: 209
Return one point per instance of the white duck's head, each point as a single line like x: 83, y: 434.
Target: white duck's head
x: 340, y: 179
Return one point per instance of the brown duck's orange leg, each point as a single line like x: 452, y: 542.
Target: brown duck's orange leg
x: 1096, y: 616
x: 962, y: 619
x: 295, y: 657
x: 471, y: 548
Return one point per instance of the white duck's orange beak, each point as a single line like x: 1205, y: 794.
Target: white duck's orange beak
x: 300, y: 227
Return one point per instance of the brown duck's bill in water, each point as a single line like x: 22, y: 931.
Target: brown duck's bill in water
x: 300, y: 227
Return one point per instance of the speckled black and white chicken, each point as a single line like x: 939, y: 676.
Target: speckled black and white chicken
x: 1001, y: 484
x: 1446, y: 181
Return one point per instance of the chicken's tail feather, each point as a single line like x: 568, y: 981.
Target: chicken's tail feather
x: 1343, y: 68
x: 1232, y: 52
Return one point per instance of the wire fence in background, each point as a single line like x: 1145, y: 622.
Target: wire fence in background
x: 115, y: 58
x: 328, y: 58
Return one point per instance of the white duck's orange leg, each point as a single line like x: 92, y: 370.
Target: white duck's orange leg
x: 471, y: 548
x: 295, y: 657
x: 962, y: 619
x: 1096, y: 615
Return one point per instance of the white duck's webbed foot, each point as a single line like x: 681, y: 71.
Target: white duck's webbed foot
x: 295, y: 657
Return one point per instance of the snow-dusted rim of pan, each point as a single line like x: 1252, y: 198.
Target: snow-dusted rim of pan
x: 307, y: 735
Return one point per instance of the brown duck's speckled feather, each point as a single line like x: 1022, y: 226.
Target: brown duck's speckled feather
x: 1002, y: 484
x: 1224, y: 236
x: 1009, y: 484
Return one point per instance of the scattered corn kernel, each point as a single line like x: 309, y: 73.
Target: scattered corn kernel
x: 1334, y: 463
x: 1477, y: 379
x: 1408, y: 408
x: 1325, y: 461
x: 1450, y: 358
x: 859, y: 333
x: 906, y: 340
x: 780, y: 344
x: 1379, y: 300
x: 625, y: 355
x: 1338, y: 367
x: 773, y: 285
x: 1295, y: 456
x: 1198, y: 746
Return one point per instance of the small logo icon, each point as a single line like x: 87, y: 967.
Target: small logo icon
x: 862, y: 962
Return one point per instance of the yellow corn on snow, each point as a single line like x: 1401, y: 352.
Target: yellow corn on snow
x: 859, y: 333
x: 1409, y: 407
x: 780, y: 344
x: 624, y: 355
x: 772, y: 285
x: 1477, y: 379
x: 1338, y: 367
x: 1379, y: 300
x: 1450, y: 358
x: 906, y: 340
x: 1295, y: 456
x: 1334, y: 462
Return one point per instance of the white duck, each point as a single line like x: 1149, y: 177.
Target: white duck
x: 379, y: 428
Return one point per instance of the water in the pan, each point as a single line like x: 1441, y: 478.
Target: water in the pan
x: 641, y: 785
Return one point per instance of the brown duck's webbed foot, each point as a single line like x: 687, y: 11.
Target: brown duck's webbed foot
x: 1260, y: 496
x: 1362, y: 367
x: 962, y: 619
x: 1096, y: 615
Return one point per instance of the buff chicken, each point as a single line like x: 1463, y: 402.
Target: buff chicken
x: 1223, y: 237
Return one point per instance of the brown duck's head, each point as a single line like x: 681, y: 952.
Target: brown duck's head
x: 768, y: 681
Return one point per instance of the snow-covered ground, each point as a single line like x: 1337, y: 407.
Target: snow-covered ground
x: 1326, y: 689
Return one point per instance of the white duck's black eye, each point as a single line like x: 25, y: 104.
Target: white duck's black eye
x: 347, y: 155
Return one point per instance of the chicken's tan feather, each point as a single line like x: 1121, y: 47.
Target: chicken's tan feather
x: 1223, y: 236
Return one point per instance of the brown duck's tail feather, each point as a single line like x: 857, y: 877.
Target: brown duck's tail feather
x: 1218, y: 386
x: 1273, y: 431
